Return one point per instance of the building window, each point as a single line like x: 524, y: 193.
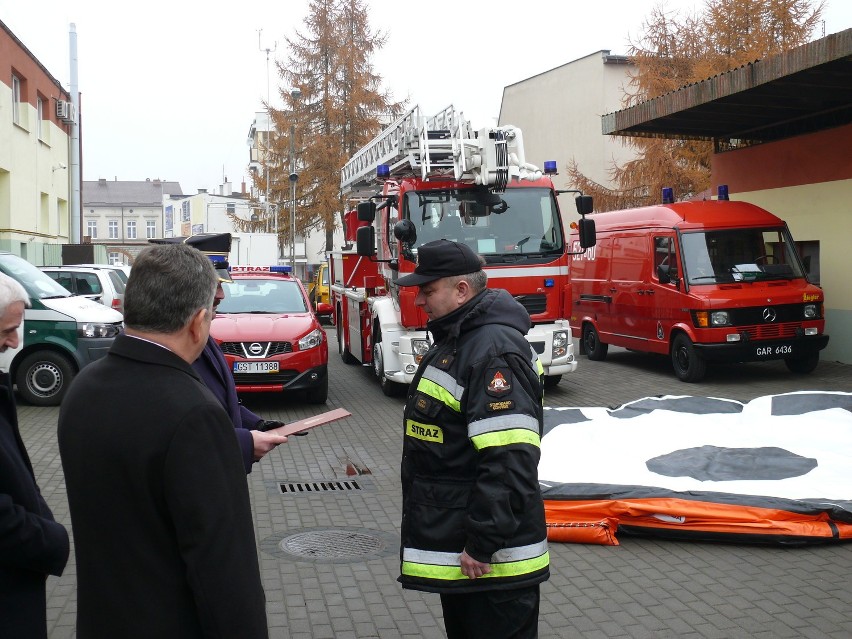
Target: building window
x: 131, y: 229
x: 39, y: 118
x: 150, y: 229
x: 92, y: 229
x: 113, y: 229
x: 232, y: 208
x: 16, y: 99
x: 184, y: 211
x: 114, y: 258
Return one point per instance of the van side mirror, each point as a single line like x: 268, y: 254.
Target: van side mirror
x: 586, y: 231
x: 367, y: 211
x: 365, y: 241
x: 663, y: 274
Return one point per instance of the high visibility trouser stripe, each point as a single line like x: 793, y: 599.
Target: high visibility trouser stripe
x: 442, y: 386
x: 445, y: 566
x: 503, y: 430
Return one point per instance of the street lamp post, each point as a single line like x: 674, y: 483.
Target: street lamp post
x: 294, y: 177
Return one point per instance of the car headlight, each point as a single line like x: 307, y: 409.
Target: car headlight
x: 707, y: 319
x: 811, y: 311
x: 420, y: 348
x: 560, y: 343
x: 96, y: 329
x: 311, y: 340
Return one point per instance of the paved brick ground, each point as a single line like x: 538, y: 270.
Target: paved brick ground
x: 339, y: 579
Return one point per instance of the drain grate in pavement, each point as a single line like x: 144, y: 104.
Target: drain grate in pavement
x: 332, y: 545
x: 318, y: 486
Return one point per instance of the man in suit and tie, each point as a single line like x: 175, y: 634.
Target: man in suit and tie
x: 250, y: 428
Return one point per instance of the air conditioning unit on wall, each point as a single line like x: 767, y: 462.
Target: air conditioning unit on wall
x: 66, y: 111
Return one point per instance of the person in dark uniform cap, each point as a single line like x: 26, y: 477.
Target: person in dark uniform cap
x: 211, y: 365
x: 473, y: 528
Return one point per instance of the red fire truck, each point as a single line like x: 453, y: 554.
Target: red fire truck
x: 423, y: 179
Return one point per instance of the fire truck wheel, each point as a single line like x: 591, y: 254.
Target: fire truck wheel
x: 802, y: 365
x: 389, y: 388
x: 688, y: 364
x: 594, y: 347
x: 345, y: 355
x: 552, y: 381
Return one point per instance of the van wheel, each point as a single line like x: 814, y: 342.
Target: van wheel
x: 43, y: 378
x: 802, y: 365
x: 389, y: 388
x: 688, y: 365
x: 345, y: 355
x: 594, y: 347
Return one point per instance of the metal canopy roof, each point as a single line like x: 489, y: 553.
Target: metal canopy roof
x: 806, y: 89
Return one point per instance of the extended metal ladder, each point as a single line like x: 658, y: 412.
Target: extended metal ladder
x: 440, y: 146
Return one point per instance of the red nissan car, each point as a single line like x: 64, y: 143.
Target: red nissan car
x: 271, y: 337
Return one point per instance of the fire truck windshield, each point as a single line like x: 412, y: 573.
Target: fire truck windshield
x: 526, y: 226
x: 736, y: 255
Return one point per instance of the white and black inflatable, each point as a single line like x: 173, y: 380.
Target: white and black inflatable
x: 777, y: 469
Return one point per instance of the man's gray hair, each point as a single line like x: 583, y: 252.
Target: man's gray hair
x: 477, y: 280
x: 11, y: 291
x: 168, y: 284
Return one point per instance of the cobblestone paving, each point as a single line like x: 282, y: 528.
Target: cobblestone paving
x: 642, y: 588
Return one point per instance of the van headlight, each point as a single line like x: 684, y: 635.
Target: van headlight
x: 811, y: 311
x: 311, y: 340
x: 96, y: 329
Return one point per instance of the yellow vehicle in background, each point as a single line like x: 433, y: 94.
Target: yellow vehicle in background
x: 320, y: 291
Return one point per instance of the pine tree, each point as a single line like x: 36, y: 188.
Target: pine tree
x: 340, y: 106
x: 674, y: 51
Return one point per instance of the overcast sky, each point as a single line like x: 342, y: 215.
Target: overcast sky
x: 169, y: 89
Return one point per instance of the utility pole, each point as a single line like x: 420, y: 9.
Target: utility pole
x: 267, y: 145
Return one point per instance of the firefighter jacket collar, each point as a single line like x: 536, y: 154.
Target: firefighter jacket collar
x: 489, y: 307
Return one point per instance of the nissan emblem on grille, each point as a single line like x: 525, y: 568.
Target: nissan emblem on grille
x: 256, y: 349
x: 769, y: 314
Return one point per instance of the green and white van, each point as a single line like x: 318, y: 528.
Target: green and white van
x: 61, y: 334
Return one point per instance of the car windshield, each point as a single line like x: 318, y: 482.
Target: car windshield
x: 37, y: 284
x: 248, y: 295
x: 528, y: 225
x: 740, y: 255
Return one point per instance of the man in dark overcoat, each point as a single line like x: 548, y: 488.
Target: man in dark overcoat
x: 159, y: 503
x: 32, y: 544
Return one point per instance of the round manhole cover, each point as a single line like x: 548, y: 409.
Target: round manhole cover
x: 331, y: 545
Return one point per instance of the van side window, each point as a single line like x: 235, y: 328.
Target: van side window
x: 664, y: 255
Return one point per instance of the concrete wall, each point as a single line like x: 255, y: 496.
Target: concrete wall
x: 559, y: 112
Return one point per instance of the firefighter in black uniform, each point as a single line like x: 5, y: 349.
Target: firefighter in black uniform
x: 473, y: 524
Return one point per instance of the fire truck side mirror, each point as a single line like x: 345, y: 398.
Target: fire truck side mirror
x: 585, y: 204
x: 588, y: 237
x: 366, y: 211
x: 365, y: 240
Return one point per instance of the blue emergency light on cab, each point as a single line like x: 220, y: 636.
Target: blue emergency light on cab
x: 383, y: 171
x: 550, y: 167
